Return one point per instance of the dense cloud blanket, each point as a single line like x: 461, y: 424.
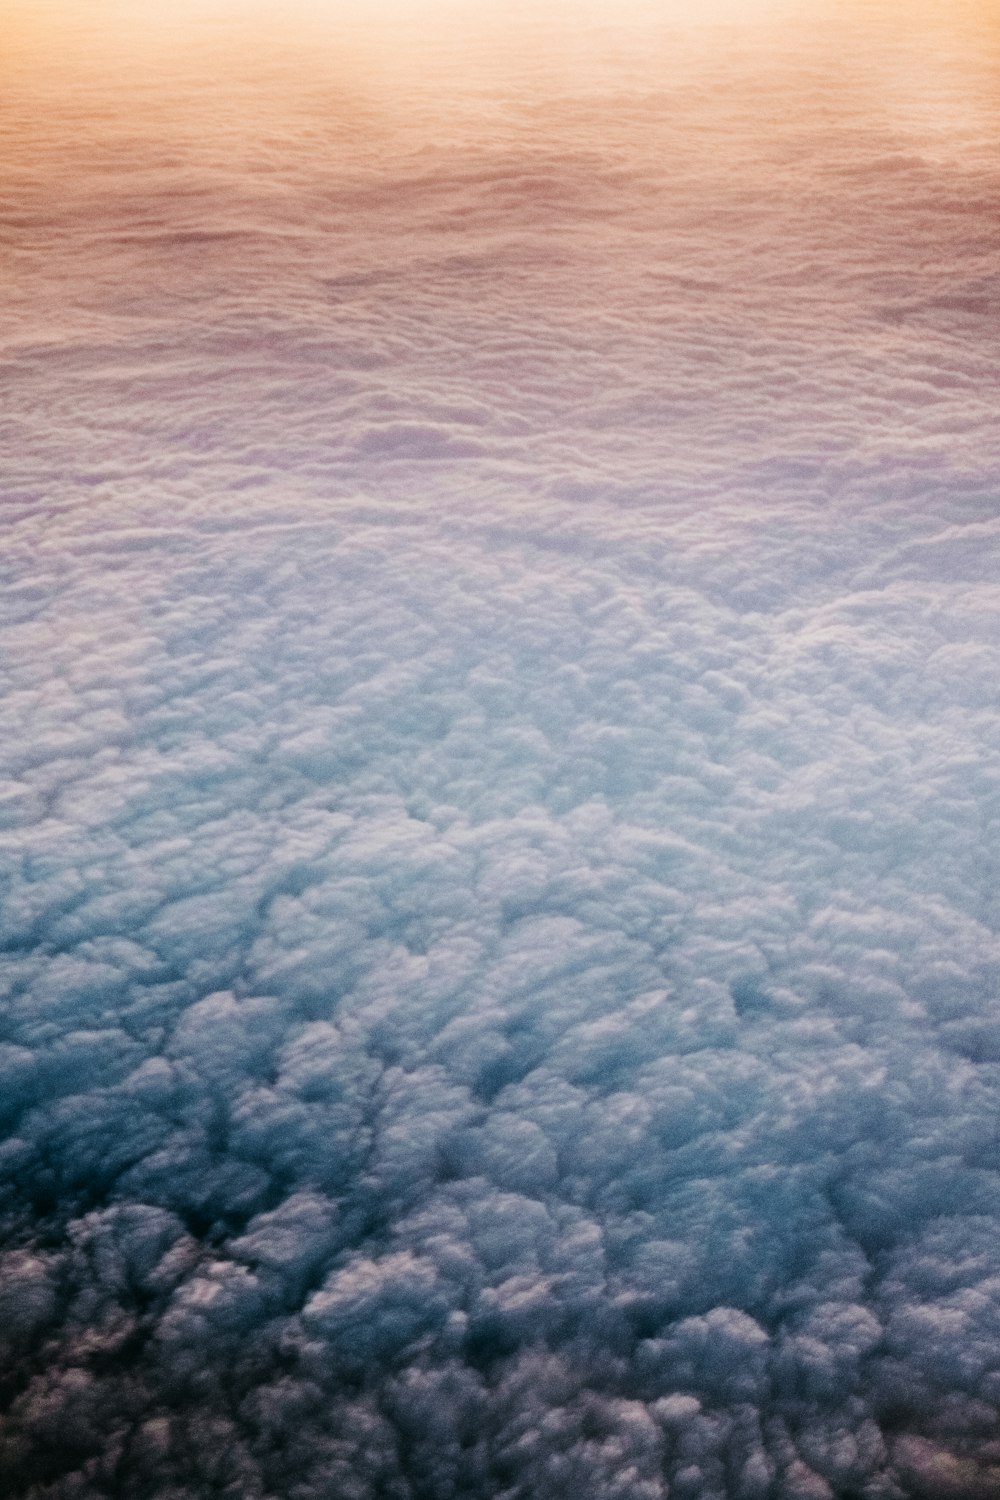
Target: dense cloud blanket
x: 500, y: 772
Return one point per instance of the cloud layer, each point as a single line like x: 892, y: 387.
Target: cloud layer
x: 500, y: 782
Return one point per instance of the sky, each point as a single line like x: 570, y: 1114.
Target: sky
x: 499, y: 750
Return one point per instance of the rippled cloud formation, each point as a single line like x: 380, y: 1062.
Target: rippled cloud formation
x: 500, y: 751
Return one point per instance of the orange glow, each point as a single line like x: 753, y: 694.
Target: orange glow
x: 129, y: 60
x: 235, y: 115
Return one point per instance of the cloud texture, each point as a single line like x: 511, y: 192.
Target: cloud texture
x: 501, y: 776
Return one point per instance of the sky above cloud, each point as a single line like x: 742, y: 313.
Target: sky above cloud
x: 499, y: 752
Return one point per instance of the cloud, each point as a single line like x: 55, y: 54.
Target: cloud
x: 499, y: 774
x: 504, y: 1039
